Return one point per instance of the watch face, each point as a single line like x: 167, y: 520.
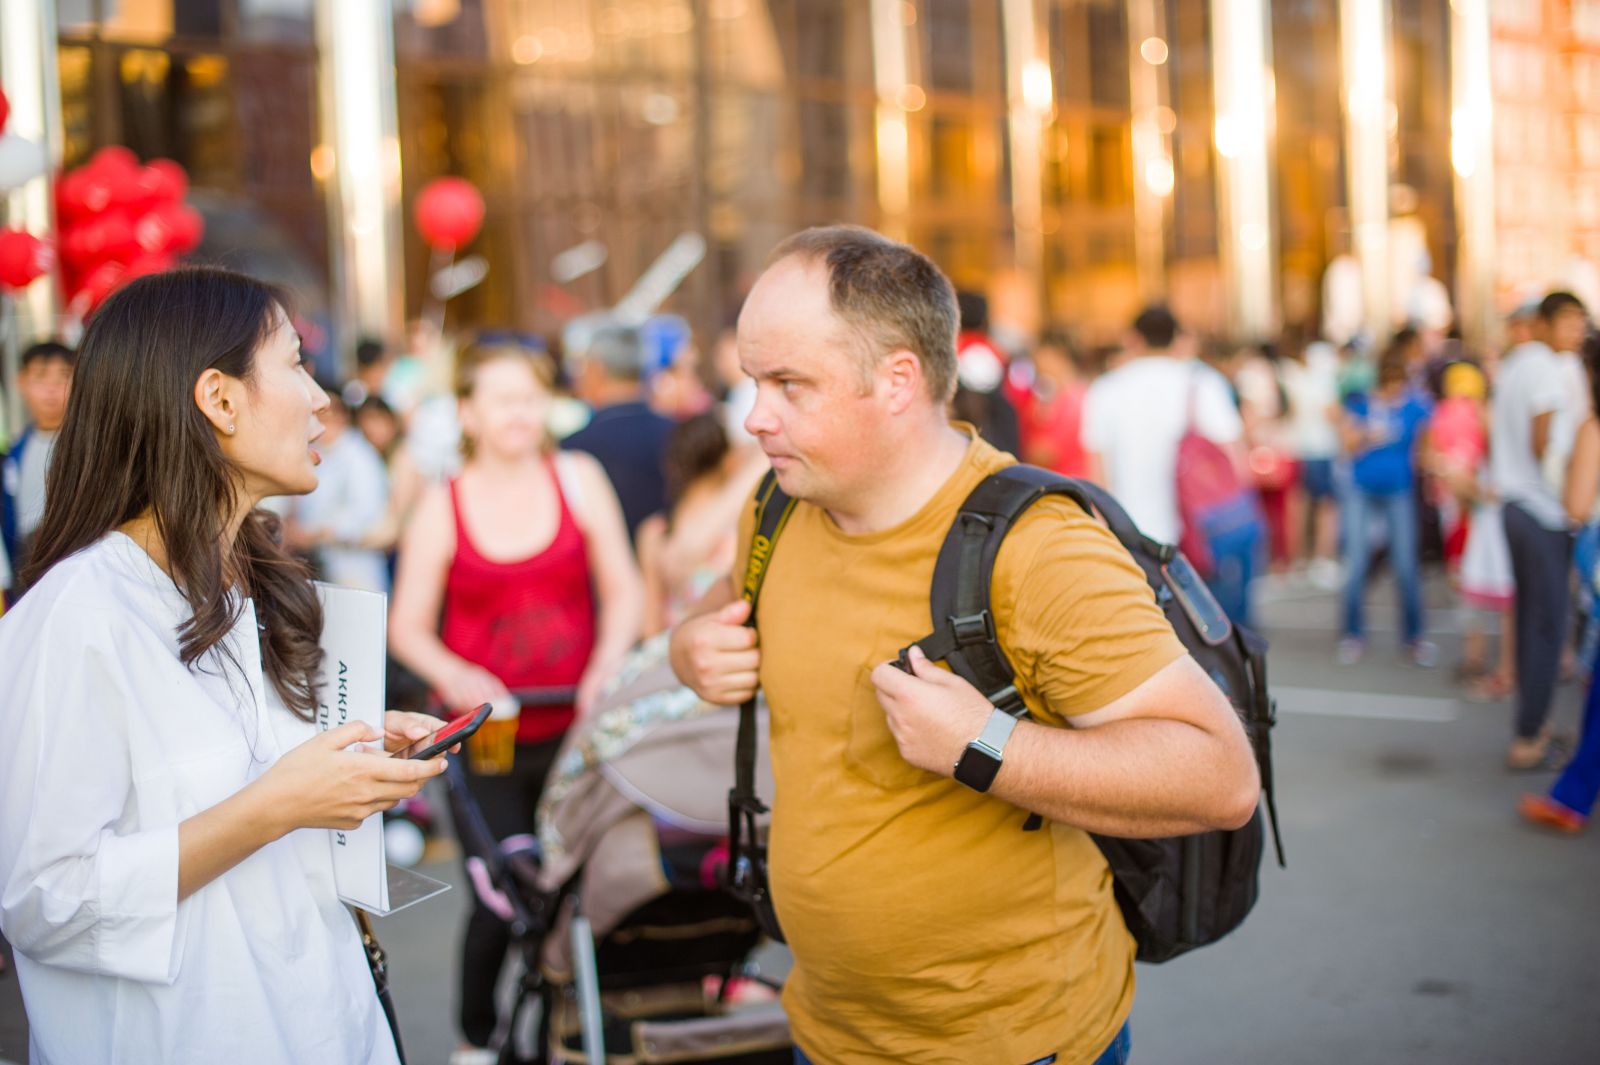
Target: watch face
x: 977, y: 768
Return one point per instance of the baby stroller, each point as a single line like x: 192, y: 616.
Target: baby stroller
x: 627, y: 943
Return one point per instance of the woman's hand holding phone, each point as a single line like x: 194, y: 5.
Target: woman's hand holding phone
x: 320, y: 784
x: 401, y: 729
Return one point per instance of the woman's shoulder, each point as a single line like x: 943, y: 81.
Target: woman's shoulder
x: 110, y: 589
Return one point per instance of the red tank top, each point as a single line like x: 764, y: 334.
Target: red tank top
x: 530, y: 622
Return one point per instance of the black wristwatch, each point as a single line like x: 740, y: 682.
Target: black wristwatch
x: 980, y: 762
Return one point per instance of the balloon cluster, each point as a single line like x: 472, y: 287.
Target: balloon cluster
x: 119, y: 220
x: 24, y: 258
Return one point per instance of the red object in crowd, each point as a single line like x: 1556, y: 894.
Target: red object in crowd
x: 1051, y: 423
x: 169, y: 229
x: 24, y: 258
x: 92, y: 289
x: 5, y: 111
x: 449, y: 212
x: 120, y: 220
x: 163, y: 181
x: 531, y: 622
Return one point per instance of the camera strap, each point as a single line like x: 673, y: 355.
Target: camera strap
x: 746, y: 858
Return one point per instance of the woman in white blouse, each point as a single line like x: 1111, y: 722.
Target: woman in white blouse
x: 165, y: 878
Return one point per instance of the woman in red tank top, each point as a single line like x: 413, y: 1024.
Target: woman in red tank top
x: 517, y: 574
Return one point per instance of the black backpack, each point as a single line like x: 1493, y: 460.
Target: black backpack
x: 1175, y: 894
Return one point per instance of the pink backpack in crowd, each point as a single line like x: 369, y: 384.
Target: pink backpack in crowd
x: 1213, y: 499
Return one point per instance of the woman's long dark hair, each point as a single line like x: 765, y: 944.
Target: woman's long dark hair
x: 134, y: 441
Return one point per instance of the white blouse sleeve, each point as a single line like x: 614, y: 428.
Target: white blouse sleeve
x: 80, y: 888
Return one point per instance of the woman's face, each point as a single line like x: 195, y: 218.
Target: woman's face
x: 379, y: 427
x: 276, y: 419
x: 505, y: 414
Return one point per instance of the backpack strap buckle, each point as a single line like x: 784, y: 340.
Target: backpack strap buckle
x: 971, y: 629
x: 1010, y: 700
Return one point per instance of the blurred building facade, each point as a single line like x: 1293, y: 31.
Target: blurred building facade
x: 1066, y: 156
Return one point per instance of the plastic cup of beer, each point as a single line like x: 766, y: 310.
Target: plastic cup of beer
x: 493, y: 747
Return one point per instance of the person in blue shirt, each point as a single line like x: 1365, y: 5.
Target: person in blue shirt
x: 44, y: 380
x: 625, y: 435
x: 1381, y: 432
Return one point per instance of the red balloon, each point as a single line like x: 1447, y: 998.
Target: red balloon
x: 93, y: 191
x: 24, y: 258
x: 70, y: 204
x: 149, y: 264
x: 79, y: 246
x: 97, y: 284
x: 116, y: 235
x: 169, y: 229
x: 449, y: 212
x: 163, y: 181
x: 114, y: 159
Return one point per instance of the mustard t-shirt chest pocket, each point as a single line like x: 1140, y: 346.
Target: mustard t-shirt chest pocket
x: 871, y: 751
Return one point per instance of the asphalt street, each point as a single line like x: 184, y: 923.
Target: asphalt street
x: 1418, y: 920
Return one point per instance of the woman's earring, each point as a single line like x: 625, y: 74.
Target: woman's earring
x: 230, y: 430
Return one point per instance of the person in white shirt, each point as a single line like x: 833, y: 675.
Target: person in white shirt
x: 349, y: 503
x: 1134, y: 417
x: 1311, y: 378
x: 1534, y: 400
x: 166, y: 878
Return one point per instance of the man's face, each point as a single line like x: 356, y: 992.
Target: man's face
x: 45, y: 384
x: 818, y: 419
x: 1567, y: 328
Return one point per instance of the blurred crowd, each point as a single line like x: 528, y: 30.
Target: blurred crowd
x: 537, y: 506
x: 1345, y: 465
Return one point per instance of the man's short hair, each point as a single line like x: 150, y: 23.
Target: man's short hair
x: 619, y: 348
x: 890, y: 294
x: 1557, y: 302
x: 1156, y: 326
x: 48, y: 349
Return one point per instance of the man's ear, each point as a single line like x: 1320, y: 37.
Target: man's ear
x: 902, y: 371
x: 212, y: 395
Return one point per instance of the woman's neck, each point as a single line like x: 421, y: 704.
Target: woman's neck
x: 489, y: 464
x: 144, y: 531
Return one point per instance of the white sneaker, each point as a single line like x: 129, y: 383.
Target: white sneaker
x: 1326, y: 574
x: 474, y: 1056
x: 1351, y: 648
x: 1422, y: 654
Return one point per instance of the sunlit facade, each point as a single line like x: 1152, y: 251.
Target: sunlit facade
x: 1215, y: 157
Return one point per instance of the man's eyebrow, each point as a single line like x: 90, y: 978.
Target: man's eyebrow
x: 787, y: 372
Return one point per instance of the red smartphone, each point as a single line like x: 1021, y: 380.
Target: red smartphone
x: 444, y: 737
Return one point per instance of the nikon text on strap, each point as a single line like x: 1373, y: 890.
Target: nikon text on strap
x: 747, y: 855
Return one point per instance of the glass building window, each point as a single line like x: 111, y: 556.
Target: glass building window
x: 948, y: 37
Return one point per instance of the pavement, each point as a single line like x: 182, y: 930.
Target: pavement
x: 1418, y: 919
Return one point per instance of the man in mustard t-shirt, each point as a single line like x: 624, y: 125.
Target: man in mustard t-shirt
x: 926, y: 926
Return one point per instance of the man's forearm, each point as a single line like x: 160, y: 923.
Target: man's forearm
x: 1141, y: 778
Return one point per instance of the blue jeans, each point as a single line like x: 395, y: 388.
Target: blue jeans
x: 1115, y: 1054
x: 1399, y: 512
x: 1579, y: 783
x: 1233, y: 556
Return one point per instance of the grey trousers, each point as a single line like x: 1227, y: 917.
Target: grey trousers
x: 1541, y: 563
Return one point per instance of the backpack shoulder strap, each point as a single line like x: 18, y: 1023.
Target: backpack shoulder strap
x: 964, y: 633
